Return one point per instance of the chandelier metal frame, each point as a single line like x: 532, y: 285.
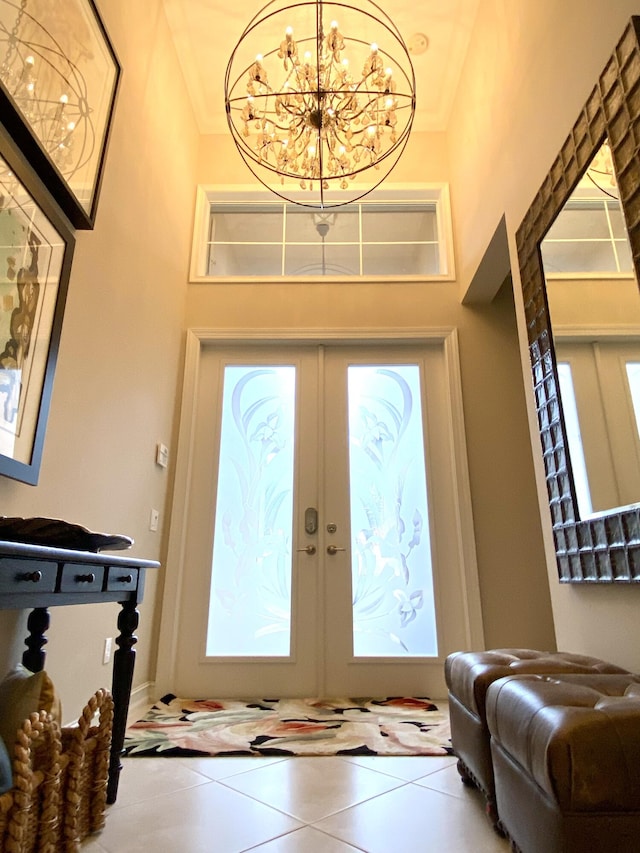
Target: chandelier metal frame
x: 321, y: 125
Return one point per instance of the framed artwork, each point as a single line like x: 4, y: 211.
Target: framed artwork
x: 59, y: 77
x: 36, y: 249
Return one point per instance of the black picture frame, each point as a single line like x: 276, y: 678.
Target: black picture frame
x: 37, y: 246
x: 73, y: 58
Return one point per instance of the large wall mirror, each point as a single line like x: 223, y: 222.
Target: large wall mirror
x: 579, y: 255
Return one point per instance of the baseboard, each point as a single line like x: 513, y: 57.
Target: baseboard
x: 141, y: 698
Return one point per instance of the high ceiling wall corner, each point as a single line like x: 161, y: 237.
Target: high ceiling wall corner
x: 493, y: 270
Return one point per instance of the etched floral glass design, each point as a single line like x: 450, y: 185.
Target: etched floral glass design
x: 392, y: 578
x: 250, y: 601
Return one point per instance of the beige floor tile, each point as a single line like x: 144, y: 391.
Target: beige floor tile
x: 416, y: 818
x: 200, y: 819
x: 221, y: 767
x: 143, y: 778
x: 311, y: 788
x: 448, y: 781
x: 305, y: 840
x: 407, y: 767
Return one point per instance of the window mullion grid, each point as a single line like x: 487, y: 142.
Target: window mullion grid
x: 611, y: 236
x: 360, y: 229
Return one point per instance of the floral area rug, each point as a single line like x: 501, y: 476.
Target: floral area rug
x: 390, y: 726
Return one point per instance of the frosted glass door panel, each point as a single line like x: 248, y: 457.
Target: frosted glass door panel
x: 250, y: 600
x: 392, y: 581
x: 633, y: 376
x: 576, y: 449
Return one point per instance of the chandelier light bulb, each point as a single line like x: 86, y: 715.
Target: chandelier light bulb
x: 299, y: 96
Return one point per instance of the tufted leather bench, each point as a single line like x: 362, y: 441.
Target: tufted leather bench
x: 566, y: 758
x: 469, y: 675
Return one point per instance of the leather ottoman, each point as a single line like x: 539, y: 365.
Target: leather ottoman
x: 469, y: 675
x: 566, y: 758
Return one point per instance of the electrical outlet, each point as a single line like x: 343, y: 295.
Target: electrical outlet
x: 106, y: 654
x: 154, y: 519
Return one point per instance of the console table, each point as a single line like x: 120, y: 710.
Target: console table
x: 37, y: 577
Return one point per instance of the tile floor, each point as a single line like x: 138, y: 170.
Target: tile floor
x: 295, y: 805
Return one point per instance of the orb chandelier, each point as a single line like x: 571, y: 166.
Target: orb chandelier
x: 320, y: 99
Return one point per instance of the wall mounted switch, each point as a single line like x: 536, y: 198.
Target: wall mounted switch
x: 106, y: 654
x: 162, y: 455
x: 154, y: 518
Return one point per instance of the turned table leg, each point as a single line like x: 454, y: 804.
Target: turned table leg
x: 38, y: 624
x: 123, y: 665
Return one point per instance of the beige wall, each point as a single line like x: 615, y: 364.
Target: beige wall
x: 117, y: 378
x: 530, y: 69
x: 508, y: 537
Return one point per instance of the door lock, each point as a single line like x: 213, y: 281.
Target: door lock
x: 331, y: 528
x: 310, y: 549
x: 311, y: 520
x: 333, y: 549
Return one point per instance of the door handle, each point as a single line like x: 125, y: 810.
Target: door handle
x: 333, y: 549
x: 310, y: 549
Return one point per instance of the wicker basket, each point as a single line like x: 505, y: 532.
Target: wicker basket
x: 60, y: 781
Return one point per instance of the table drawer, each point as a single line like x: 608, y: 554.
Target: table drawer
x: 124, y: 579
x: 26, y: 576
x: 79, y: 578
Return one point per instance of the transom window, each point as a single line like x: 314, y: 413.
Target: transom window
x: 589, y: 237
x: 401, y: 234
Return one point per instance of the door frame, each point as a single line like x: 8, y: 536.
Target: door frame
x: 199, y: 338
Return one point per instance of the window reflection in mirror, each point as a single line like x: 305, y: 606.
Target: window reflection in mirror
x: 594, y: 305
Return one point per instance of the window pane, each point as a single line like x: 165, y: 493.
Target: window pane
x: 246, y: 223
x: 341, y: 226
x: 405, y: 223
x: 400, y: 260
x: 578, y: 257
x: 580, y: 220
x: 245, y: 260
x: 393, y: 600
x: 250, y: 603
x: 308, y: 260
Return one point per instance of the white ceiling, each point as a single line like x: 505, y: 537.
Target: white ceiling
x: 205, y: 32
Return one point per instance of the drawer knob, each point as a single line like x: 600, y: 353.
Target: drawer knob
x: 34, y: 577
x: 90, y: 578
x: 125, y: 578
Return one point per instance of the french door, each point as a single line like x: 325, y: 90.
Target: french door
x: 322, y: 549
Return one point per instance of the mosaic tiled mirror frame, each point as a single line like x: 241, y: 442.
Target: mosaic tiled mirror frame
x: 606, y: 548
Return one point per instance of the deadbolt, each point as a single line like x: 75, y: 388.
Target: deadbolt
x: 311, y: 520
x: 331, y: 528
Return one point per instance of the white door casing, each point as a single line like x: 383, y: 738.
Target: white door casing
x: 455, y: 548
